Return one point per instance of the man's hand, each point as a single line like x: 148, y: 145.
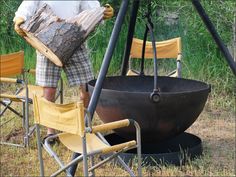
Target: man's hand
x: 18, y: 22
x: 109, y: 12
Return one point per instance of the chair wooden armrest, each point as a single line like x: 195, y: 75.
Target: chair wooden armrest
x: 111, y: 126
x: 11, y: 97
x: 119, y: 147
x: 10, y: 80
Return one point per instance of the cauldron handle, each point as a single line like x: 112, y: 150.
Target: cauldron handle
x: 143, y: 51
x: 154, y: 96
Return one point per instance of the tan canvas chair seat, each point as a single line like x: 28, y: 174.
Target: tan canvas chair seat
x: 74, y: 142
x: 175, y: 74
x: 132, y: 72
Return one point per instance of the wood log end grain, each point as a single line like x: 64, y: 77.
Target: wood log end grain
x: 38, y: 45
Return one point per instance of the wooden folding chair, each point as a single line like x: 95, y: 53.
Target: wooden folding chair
x: 165, y: 50
x: 79, y: 138
x: 12, y: 71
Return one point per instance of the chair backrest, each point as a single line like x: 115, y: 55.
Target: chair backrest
x: 165, y: 49
x: 11, y: 64
x: 64, y: 117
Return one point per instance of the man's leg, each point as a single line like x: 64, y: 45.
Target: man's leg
x: 49, y: 94
x: 79, y: 70
x: 47, y: 76
x: 84, y: 96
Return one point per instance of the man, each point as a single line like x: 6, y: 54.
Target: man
x: 78, y: 68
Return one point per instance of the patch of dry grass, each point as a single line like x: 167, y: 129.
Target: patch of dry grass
x: 215, y: 127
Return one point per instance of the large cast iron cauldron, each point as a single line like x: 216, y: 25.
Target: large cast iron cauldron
x: 181, y: 102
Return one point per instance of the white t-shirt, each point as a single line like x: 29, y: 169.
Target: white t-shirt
x: 63, y: 9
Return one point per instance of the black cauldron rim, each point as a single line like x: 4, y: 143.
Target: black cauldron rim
x: 207, y: 86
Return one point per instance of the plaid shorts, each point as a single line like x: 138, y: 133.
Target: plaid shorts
x: 78, y: 69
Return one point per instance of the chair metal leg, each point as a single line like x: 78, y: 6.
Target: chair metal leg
x: 92, y: 164
x: 12, y: 144
x: 31, y: 130
x: 112, y: 156
x: 23, y: 112
x: 85, y: 160
x: 53, y: 154
x: 26, y: 123
x: 126, y: 167
x: 179, y: 74
x: 39, y: 151
x: 71, y: 163
x: 8, y: 106
x: 5, y: 107
x: 138, y: 139
x: 120, y: 160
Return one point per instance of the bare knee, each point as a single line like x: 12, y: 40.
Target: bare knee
x: 49, y: 93
x: 84, y: 95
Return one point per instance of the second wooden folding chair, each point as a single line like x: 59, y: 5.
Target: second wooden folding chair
x: 13, y: 73
x: 166, y: 49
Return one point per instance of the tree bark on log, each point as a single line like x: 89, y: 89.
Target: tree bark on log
x: 58, y: 39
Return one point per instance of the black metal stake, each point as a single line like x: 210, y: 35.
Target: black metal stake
x: 214, y: 34
x: 130, y: 35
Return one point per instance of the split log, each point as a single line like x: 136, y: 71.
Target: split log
x: 58, y: 39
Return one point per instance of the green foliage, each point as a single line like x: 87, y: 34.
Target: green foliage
x: 9, y: 40
x: 7, y: 9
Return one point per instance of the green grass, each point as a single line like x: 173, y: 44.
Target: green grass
x: 216, y: 128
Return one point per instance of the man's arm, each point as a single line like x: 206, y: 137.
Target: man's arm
x: 108, y: 13
x: 25, y: 11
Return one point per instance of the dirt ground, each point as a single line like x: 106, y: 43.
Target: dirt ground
x: 215, y: 127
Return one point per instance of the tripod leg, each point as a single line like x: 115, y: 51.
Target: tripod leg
x: 214, y: 34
